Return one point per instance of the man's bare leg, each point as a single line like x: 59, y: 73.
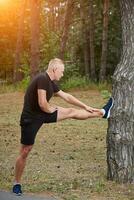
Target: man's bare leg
x: 20, y: 165
x: 21, y: 161
x: 66, y: 113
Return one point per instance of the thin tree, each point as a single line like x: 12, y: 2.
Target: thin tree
x: 35, y: 33
x: 51, y: 16
x: 85, y: 37
x: 102, y: 74
x: 67, y: 22
x: 91, y: 32
x: 17, y: 74
x: 120, y: 137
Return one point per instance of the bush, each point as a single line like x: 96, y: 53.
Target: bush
x: 74, y: 82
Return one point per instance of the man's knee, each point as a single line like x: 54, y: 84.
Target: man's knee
x: 65, y: 113
x: 25, y: 151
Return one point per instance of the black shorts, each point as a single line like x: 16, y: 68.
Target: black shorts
x: 30, y: 126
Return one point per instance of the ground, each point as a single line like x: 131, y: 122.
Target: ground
x: 68, y: 159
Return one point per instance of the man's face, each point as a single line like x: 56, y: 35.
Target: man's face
x: 58, y: 72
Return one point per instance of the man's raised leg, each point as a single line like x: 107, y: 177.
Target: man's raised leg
x: 66, y: 113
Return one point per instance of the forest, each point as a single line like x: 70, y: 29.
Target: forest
x: 72, y: 159
x: 85, y: 34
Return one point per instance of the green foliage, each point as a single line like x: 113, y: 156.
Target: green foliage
x: 49, y: 48
x: 26, y: 71
x: 74, y: 82
x: 71, y: 70
x: 22, y: 85
x: 51, y: 29
x: 78, y: 82
x: 114, y: 38
x: 105, y: 87
x: 105, y: 94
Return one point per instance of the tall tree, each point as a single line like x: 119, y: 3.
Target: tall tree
x: 35, y: 33
x: 85, y: 36
x: 102, y: 74
x: 91, y: 32
x: 67, y: 22
x: 120, y: 137
x: 17, y: 74
x: 51, y: 16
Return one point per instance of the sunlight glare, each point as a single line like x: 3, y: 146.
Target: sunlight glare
x: 4, y: 2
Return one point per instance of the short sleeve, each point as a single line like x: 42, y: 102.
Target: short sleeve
x: 42, y: 83
x: 55, y: 88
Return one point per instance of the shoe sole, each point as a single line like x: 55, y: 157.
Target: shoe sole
x: 19, y: 194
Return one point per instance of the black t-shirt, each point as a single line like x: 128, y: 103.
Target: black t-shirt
x: 41, y: 81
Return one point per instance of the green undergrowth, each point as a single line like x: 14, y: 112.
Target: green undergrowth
x: 73, y: 83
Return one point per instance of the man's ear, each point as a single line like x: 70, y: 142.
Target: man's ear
x: 54, y: 69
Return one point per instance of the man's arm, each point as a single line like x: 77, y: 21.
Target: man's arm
x: 74, y: 101
x: 42, y: 101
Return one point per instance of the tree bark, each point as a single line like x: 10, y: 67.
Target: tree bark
x: 35, y: 14
x: 102, y: 74
x: 17, y: 74
x: 91, y: 32
x: 120, y: 136
x: 67, y: 21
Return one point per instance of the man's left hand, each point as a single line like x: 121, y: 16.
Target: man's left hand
x: 89, y: 109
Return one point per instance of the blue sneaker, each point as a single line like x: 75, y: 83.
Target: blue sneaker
x: 17, y: 189
x: 108, y: 107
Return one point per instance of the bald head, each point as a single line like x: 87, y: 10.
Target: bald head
x: 55, y: 69
x: 55, y: 64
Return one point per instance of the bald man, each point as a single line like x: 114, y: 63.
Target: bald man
x: 37, y: 110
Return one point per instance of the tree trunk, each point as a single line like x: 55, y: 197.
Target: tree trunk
x: 102, y: 74
x: 18, y: 75
x: 67, y: 21
x: 120, y: 137
x: 85, y: 37
x: 51, y: 24
x: 59, y: 20
x: 91, y: 32
x: 35, y: 13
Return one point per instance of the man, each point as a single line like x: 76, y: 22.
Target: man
x: 37, y: 110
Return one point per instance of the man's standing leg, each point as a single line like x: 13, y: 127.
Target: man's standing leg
x: 19, y: 167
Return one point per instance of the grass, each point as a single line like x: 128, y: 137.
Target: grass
x: 81, y: 83
x: 72, y: 83
x: 68, y: 158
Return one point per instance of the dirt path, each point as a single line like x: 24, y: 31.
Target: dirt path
x: 10, y: 196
